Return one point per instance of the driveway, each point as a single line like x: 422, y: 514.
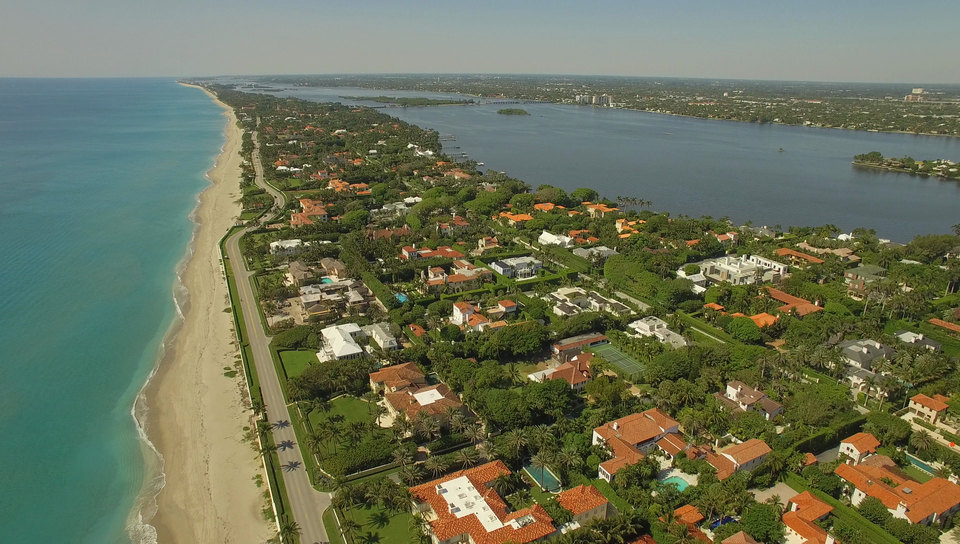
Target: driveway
x: 829, y: 456
x: 782, y: 490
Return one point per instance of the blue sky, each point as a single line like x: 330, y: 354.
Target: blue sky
x: 881, y: 40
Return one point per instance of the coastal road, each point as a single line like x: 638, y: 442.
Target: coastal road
x: 306, y: 503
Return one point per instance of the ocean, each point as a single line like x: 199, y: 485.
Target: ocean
x: 98, y: 178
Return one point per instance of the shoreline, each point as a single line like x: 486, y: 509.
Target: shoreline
x: 191, y: 415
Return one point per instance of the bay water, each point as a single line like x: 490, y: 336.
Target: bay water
x: 767, y: 174
x: 98, y: 178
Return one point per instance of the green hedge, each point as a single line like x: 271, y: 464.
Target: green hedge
x: 830, y: 437
x: 706, y: 327
x: 949, y: 436
x: 379, y: 289
x: 368, y: 454
x: 924, y: 424
x: 607, y: 490
x: 446, y: 442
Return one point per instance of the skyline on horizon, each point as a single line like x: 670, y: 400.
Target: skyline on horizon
x: 858, y: 42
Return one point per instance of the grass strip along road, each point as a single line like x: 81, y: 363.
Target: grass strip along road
x: 306, y: 503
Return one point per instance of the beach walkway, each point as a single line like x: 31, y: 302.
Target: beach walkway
x: 307, y: 503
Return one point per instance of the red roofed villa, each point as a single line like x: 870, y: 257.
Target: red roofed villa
x: 463, y: 507
x: 629, y: 438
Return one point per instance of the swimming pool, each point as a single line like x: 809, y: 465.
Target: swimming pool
x: 546, y: 479
x: 920, y: 464
x: 678, y: 481
x: 326, y: 280
x: 401, y: 297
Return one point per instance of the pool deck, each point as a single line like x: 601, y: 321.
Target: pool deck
x: 691, y: 479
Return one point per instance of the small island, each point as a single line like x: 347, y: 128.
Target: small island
x: 513, y: 111
x: 411, y: 102
x: 939, y: 167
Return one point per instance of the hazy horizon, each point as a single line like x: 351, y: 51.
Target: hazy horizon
x: 856, y: 42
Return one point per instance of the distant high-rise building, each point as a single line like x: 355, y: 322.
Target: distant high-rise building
x: 918, y: 90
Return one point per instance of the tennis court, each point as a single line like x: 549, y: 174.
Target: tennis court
x: 614, y: 356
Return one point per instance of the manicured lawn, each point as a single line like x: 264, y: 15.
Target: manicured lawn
x: 330, y: 524
x: 352, y: 409
x: 295, y: 362
x: 396, y: 530
x: 917, y: 474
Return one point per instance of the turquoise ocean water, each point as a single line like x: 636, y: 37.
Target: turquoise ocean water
x: 97, y: 182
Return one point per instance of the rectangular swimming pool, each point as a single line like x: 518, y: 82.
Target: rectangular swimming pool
x: 546, y: 479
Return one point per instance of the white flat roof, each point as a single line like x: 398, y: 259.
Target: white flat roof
x: 463, y: 500
x: 428, y: 396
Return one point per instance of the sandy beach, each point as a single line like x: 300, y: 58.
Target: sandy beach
x: 196, y: 413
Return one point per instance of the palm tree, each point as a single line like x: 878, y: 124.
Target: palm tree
x: 349, y: 527
x: 570, y: 457
x: 458, y: 423
x: 467, y: 457
x: 410, y: 474
x: 515, y: 440
x: 512, y: 371
x: 474, y: 433
x: 258, y: 407
x: 537, y: 461
x: 402, y: 456
x: 436, y: 466
x: 921, y: 441
x: 289, y: 530
x: 776, y: 465
x: 503, y: 484
x: 313, y: 442
x: 380, y: 411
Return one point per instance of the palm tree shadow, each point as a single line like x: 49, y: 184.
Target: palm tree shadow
x: 291, y: 466
x: 281, y: 424
x: 285, y: 445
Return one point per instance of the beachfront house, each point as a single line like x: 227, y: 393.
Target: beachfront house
x: 340, y: 342
x: 287, y: 248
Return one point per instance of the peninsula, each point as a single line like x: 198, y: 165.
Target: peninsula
x: 420, y: 329
x: 942, y: 168
x: 850, y: 106
x: 411, y: 101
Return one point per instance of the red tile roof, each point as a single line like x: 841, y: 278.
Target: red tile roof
x: 936, y: 496
x: 791, y: 302
x: 946, y: 325
x: 764, y: 319
x: 581, y: 499
x: 863, y: 442
x: 448, y: 525
x: 802, y: 517
x: 688, y: 514
x: 405, y: 401
x: 927, y: 402
x: 400, y: 376
x: 623, y: 435
x: 784, y: 251
x: 740, y: 538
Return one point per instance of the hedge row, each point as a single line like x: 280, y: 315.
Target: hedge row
x: 368, y: 454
